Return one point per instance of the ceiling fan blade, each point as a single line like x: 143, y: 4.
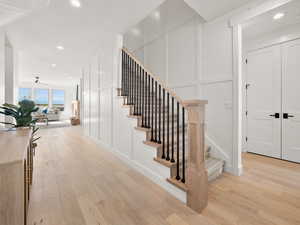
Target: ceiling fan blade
x: 43, y: 83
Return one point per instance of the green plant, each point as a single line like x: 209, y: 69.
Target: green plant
x: 21, y: 113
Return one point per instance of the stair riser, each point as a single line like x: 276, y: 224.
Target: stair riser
x: 148, y: 111
x: 149, y: 120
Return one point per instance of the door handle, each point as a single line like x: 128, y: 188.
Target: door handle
x: 286, y: 116
x: 276, y: 115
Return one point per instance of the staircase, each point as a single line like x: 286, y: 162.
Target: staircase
x: 175, y: 128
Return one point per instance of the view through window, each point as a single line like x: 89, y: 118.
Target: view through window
x: 58, y: 99
x: 41, y: 97
x: 24, y: 93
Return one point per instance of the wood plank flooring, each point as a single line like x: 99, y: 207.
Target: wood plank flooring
x: 78, y: 183
x: 268, y: 193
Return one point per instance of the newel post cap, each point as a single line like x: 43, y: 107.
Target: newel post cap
x: 194, y: 103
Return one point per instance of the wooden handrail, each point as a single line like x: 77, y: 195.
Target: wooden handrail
x: 156, y: 78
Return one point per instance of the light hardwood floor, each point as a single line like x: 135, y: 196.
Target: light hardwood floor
x: 268, y: 193
x: 78, y: 183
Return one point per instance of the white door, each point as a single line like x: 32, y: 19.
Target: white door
x: 291, y: 101
x: 264, y: 101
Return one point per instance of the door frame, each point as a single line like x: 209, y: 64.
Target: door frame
x: 236, y: 25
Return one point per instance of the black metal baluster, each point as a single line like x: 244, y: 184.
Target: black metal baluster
x: 172, y: 149
x: 163, y: 130
x: 134, y: 88
x: 142, y: 96
x: 129, y: 82
x: 146, y: 98
x: 132, y: 85
x: 168, y: 127
x: 183, y: 145
x: 152, y: 111
x: 178, y: 150
x: 155, y: 111
x: 138, y: 91
x: 148, y: 101
x: 138, y: 97
x: 122, y: 81
x: 126, y: 78
x: 159, y: 114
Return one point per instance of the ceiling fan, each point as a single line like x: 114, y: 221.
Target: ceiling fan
x: 37, y: 81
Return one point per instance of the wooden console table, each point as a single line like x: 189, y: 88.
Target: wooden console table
x: 16, y: 166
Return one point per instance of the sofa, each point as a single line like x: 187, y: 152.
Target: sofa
x: 52, y: 114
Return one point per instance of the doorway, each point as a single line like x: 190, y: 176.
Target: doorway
x: 271, y: 67
x: 273, y: 106
x: 238, y: 23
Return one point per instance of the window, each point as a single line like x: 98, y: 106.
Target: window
x: 41, y: 97
x: 24, y: 93
x: 58, y: 99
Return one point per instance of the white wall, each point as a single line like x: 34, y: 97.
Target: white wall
x: 216, y: 87
x: 8, y: 70
x: 170, y: 46
x: 2, y: 71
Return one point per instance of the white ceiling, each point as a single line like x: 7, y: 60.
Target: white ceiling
x: 211, y: 9
x: 11, y: 10
x: 163, y: 19
x: 49, y: 23
x: 79, y: 30
x: 264, y: 23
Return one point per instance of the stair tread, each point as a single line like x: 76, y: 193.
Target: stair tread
x: 178, y: 184
x: 149, y: 129
x: 212, y: 164
x: 164, y: 162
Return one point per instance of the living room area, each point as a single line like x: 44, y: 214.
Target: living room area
x: 57, y: 104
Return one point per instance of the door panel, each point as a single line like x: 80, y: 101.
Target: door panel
x: 263, y: 100
x: 291, y: 101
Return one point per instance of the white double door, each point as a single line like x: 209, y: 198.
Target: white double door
x: 273, y: 101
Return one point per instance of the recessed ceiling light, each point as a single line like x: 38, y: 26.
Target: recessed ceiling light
x: 278, y: 16
x: 60, y: 47
x: 156, y: 15
x: 53, y: 65
x: 75, y: 3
